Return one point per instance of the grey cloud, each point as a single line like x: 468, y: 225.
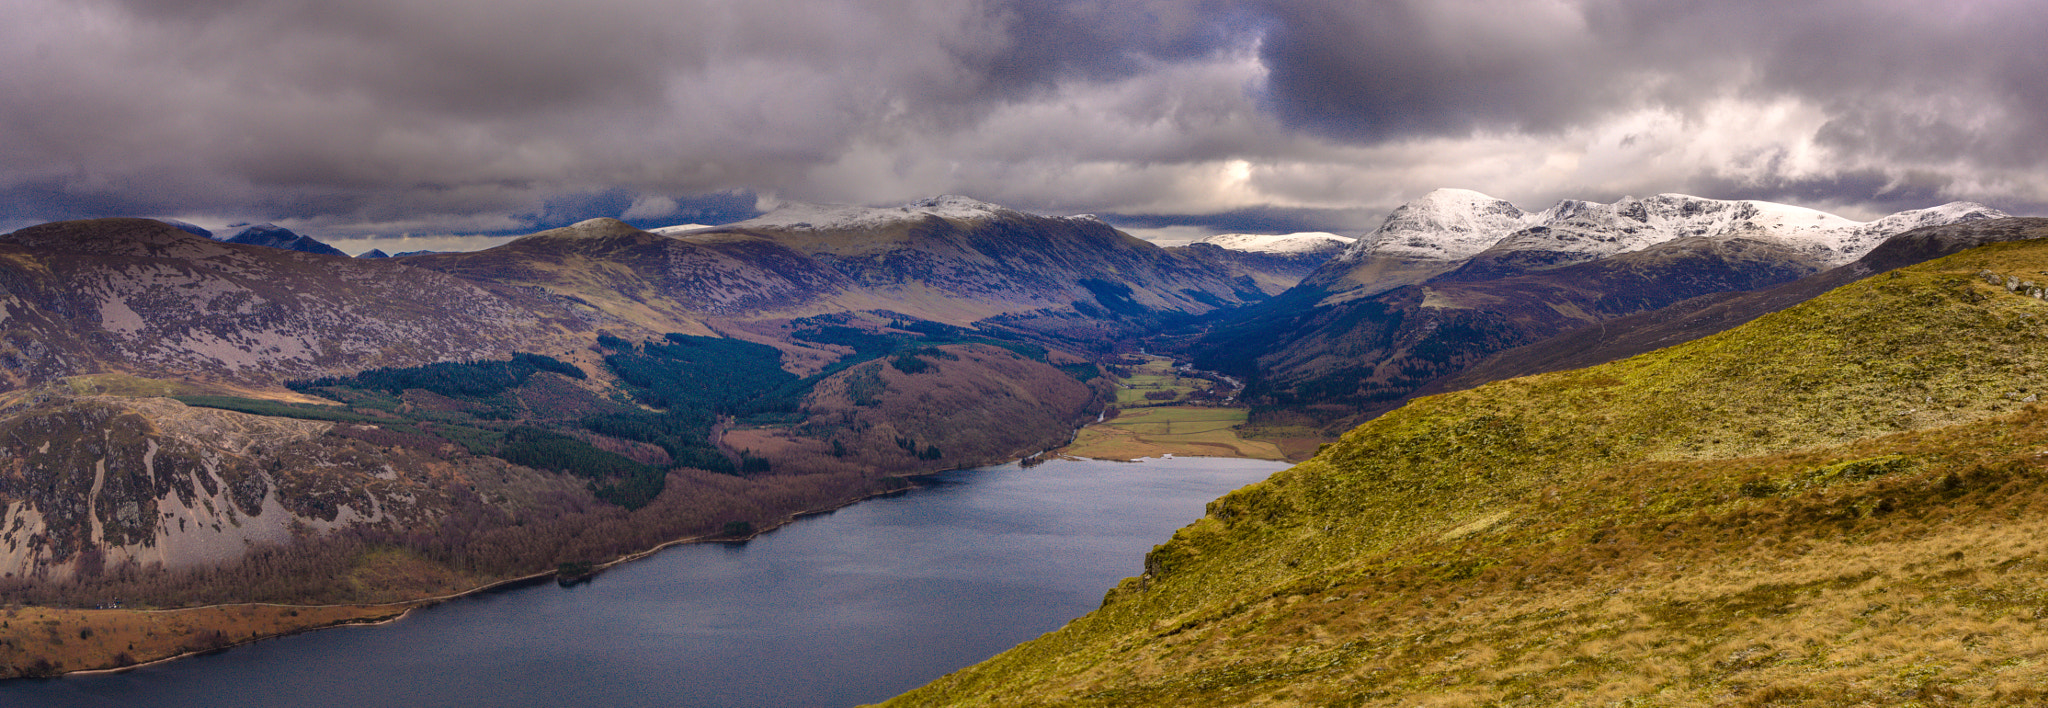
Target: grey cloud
x: 382, y: 114
x: 1385, y: 69
x: 1276, y: 220
x: 1913, y: 80
x: 1873, y: 191
x: 365, y: 109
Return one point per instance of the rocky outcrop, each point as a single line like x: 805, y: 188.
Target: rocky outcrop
x: 88, y: 483
x: 143, y: 297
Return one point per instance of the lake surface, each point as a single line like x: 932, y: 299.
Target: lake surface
x: 839, y: 609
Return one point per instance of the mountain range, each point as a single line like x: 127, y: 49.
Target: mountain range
x: 1832, y: 504
x: 195, y: 421
x: 167, y: 390
x: 1456, y: 276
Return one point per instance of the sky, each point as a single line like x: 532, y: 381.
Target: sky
x: 441, y: 119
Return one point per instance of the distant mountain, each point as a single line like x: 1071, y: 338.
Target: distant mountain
x: 274, y: 236
x: 1482, y: 237
x: 193, y: 229
x: 1275, y: 262
x: 142, y: 297
x: 374, y: 253
x: 950, y: 260
x: 1297, y: 243
x: 1740, y: 519
x: 1456, y: 276
x: 1687, y: 320
x: 576, y: 388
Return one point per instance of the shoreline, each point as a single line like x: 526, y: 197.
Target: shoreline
x: 404, y: 608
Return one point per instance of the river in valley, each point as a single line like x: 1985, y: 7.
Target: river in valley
x: 838, y: 609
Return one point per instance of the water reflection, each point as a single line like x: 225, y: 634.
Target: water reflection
x: 841, y: 608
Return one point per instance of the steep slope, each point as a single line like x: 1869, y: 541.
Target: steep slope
x: 607, y: 269
x: 1480, y: 237
x: 100, y: 482
x: 963, y: 405
x: 1420, y: 240
x: 1830, y: 505
x: 947, y: 260
x: 1360, y: 357
x: 144, y: 297
x: 1685, y: 321
x: 552, y: 404
x: 1000, y: 259
x: 1457, y: 276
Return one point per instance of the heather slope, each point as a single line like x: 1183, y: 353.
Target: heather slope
x: 1830, y: 504
x: 147, y: 298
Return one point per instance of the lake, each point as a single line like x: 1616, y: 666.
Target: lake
x: 850, y: 607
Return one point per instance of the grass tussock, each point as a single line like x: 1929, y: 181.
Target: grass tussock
x: 1839, y: 504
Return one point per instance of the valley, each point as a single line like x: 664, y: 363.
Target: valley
x: 203, y: 424
x: 1023, y: 353
x: 1828, y: 505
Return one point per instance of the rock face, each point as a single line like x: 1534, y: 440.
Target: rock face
x: 142, y: 297
x: 97, y: 482
x: 1456, y: 276
x: 90, y: 482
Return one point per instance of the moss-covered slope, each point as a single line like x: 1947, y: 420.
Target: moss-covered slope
x: 1834, y: 504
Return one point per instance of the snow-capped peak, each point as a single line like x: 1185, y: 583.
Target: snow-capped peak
x: 1453, y: 225
x: 1446, y: 224
x: 1303, y: 242
x: 831, y: 217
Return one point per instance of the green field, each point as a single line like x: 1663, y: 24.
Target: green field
x: 1156, y: 375
x: 1152, y: 432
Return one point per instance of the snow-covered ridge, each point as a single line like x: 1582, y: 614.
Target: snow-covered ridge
x: 834, y: 217
x: 679, y: 229
x: 1455, y: 224
x: 1303, y: 242
x: 1444, y: 225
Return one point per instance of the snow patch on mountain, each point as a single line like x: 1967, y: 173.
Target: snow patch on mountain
x: 1304, y: 242
x: 837, y: 217
x: 1453, y: 225
x: 679, y: 229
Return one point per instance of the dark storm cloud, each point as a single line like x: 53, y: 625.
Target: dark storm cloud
x: 1874, y: 187
x: 385, y: 116
x: 1915, y: 80
x: 1378, y: 70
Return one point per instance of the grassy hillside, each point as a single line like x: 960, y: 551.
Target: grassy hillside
x: 1835, y: 504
